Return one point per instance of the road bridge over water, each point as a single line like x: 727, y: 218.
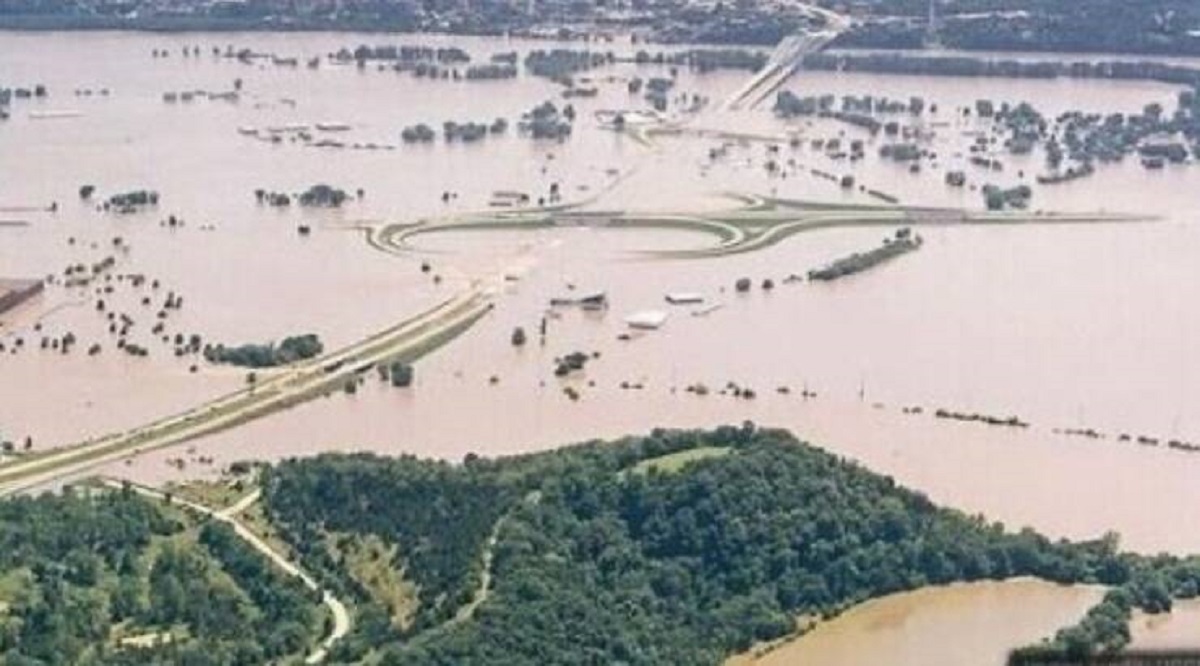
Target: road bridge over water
x: 787, y: 57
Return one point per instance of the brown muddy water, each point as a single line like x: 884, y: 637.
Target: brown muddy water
x: 986, y: 620
x: 1063, y: 326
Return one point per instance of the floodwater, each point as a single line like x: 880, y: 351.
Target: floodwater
x: 1177, y: 630
x: 1064, y: 326
x: 986, y: 621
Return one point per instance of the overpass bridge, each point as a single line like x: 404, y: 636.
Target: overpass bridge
x: 787, y: 57
x: 784, y: 61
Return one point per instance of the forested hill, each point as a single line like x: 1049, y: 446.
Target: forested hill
x: 677, y: 548
x: 90, y: 578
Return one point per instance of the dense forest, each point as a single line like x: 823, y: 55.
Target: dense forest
x: 681, y: 547
x: 597, y: 558
x: 439, y: 514
x: 107, y: 577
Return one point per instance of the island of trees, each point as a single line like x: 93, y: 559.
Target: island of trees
x: 323, y: 196
x: 130, y: 202
x: 547, y: 121
x: 902, y: 243
x: 290, y: 350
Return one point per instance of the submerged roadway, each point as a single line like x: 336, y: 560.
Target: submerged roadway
x: 278, y: 391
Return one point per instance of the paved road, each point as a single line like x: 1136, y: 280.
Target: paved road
x: 279, y: 390
x: 787, y: 57
x: 341, y: 617
x: 784, y: 62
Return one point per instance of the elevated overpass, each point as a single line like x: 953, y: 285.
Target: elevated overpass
x: 787, y: 57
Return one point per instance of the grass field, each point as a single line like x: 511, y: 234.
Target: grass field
x: 372, y: 563
x: 673, y: 462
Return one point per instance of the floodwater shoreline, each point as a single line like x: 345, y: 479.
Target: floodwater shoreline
x: 878, y: 625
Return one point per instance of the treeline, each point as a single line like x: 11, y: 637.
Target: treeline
x: 937, y: 65
x: 706, y: 60
x: 446, y: 55
x: 1163, y: 27
x: 467, y: 132
x: 902, y: 243
x: 755, y: 23
x: 319, y: 196
x: 7, y: 95
x: 129, y: 202
x: 1147, y: 583
x: 290, y: 350
x: 592, y: 565
x: 788, y: 104
x: 1097, y: 26
x: 562, y: 64
x: 430, y: 63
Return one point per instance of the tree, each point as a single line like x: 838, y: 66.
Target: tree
x: 993, y: 198
x: 401, y: 374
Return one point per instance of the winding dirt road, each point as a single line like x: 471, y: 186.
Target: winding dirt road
x: 341, y: 617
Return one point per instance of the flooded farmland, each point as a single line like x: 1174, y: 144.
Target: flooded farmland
x: 1067, y: 327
